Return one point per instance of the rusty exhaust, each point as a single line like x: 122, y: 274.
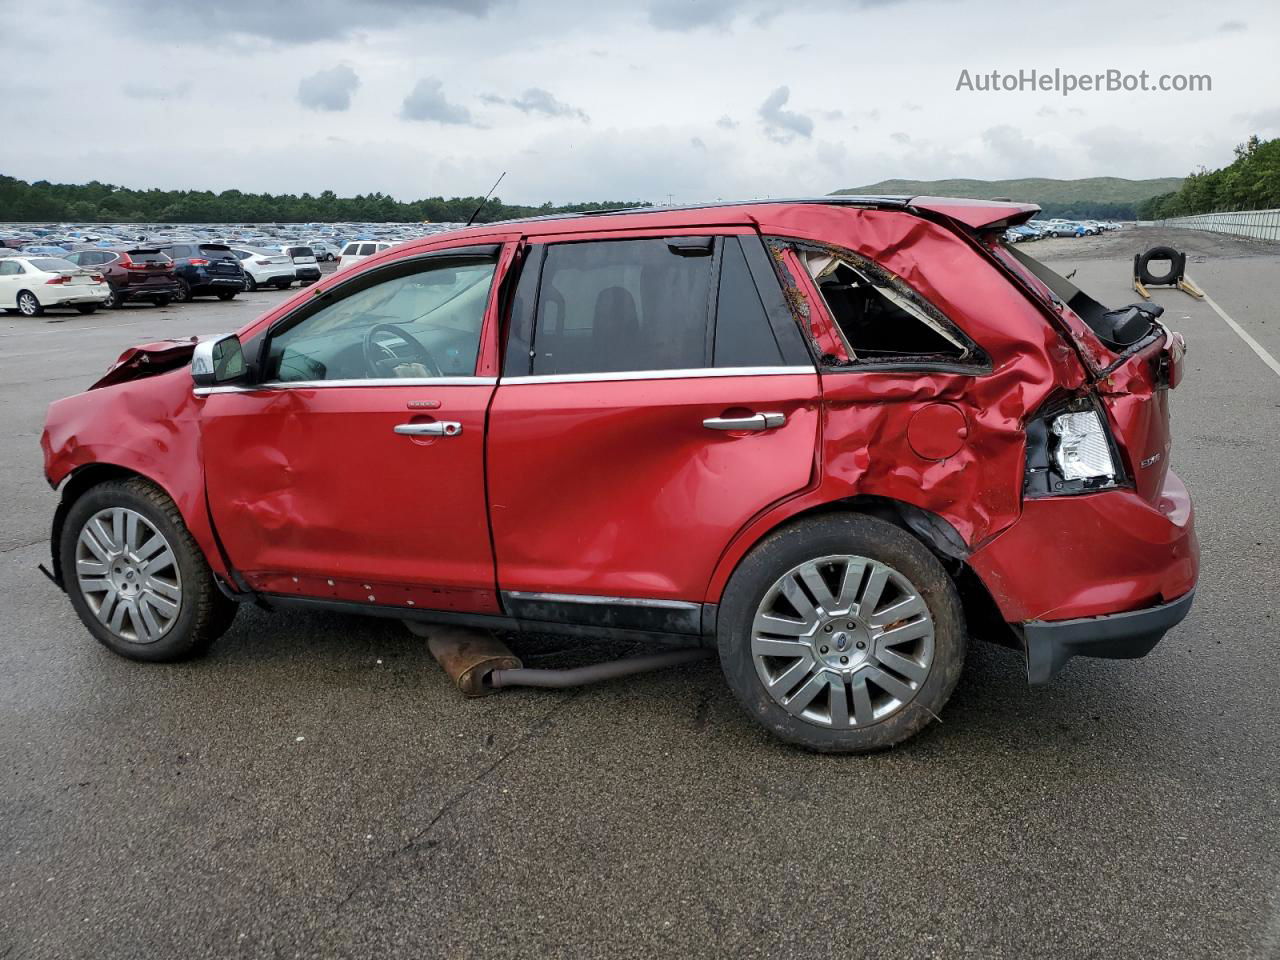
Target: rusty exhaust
x: 467, y: 656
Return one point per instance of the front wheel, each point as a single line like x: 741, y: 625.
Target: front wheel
x: 86, y: 308
x: 161, y: 301
x: 842, y: 634
x: 250, y: 284
x: 136, y: 576
x: 225, y: 295
x: 183, y: 293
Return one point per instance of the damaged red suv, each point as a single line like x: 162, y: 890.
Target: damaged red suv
x: 835, y: 439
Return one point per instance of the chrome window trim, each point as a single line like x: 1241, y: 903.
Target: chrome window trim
x: 589, y: 598
x: 370, y: 382
x: 660, y: 374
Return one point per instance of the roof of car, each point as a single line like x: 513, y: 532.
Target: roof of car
x: 975, y: 214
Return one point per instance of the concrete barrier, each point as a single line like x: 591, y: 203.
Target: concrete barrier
x: 1259, y: 224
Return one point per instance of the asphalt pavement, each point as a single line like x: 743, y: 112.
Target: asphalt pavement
x: 315, y: 786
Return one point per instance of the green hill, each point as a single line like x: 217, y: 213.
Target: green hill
x: 1092, y: 197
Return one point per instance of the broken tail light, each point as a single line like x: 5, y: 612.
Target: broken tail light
x: 1070, y: 450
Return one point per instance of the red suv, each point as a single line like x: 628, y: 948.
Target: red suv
x: 834, y: 438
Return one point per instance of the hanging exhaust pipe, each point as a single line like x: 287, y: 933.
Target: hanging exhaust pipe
x: 596, y: 672
x: 478, y: 662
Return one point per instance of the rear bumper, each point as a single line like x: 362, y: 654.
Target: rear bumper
x: 59, y: 295
x: 308, y: 273
x: 1119, y: 636
x: 144, y: 291
x: 270, y: 274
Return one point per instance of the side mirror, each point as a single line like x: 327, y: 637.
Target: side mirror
x: 217, y: 362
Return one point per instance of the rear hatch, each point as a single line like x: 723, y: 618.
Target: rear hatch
x: 1134, y: 361
x: 302, y: 256
x: 222, y: 262
x: 148, y: 266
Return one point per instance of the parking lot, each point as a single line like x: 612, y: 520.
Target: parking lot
x: 317, y: 787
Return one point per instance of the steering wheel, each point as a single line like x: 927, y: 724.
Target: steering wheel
x: 382, y: 360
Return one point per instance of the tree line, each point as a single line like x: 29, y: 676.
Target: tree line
x: 1250, y: 182
x: 96, y: 202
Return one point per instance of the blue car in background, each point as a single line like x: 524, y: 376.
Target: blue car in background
x: 45, y: 250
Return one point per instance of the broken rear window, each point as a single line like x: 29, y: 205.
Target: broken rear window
x: 877, y: 317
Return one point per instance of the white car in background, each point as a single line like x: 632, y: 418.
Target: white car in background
x: 305, y: 265
x: 29, y: 285
x: 265, y: 268
x: 325, y: 252
x: 357, y: 250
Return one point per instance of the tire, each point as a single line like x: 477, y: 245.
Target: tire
x: 918, y: 671
x: 283, y: 284
x: 112, y: 302
x: 86, y: 308
x: 162, y: 301
x: 183, y: 293
x: 28, y: 305
x: 250, y: 284
x: 225, y: 295
x: 1176, y: 266
x: 202, y: 614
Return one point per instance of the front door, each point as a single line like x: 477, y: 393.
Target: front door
x: 354, y: 470
x: 656, y: 396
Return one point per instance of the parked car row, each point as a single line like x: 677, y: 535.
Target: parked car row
x: 1038, y: 229
x: 160, y: 274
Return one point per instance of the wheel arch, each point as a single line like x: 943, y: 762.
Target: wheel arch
x: 83, y: 479
x: 982, y: 613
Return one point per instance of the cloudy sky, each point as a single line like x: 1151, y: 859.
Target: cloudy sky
x: 687, y: 99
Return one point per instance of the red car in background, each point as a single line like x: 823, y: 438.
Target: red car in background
x: 834, y: 438
x: 141, y: 273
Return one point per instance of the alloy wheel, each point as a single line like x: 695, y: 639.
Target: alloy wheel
x: 842, y: 641
x: 128, y: 574
x: 28, y: 305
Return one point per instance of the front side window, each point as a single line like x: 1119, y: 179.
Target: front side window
x: 622, y: 305
x: 878, y: 318
x: 422, y: 322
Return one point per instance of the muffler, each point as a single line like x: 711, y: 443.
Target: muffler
x: 467, y: 656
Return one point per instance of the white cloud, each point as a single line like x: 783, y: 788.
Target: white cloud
x: 328, y: 89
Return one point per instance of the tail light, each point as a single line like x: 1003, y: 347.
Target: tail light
x: 1070, y: 450
x: 198, y: 262
x: 57, y: 279
x: 95, y: 277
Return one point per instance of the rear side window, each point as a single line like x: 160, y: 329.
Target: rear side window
x: 216, y: 251
x: 351, y: 250
x: 743, y: 335
x: 622, y: 305
x: 878, y: 318
x: 367, y: 249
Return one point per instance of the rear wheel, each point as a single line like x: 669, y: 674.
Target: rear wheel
x: 86, y: 308
x: 28, y: 305
x: 842, y: 634
x: 227, y: 294
x: 136, y: 577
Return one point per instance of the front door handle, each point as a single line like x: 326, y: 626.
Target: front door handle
x: 757, y: 421
x: 434, y: 428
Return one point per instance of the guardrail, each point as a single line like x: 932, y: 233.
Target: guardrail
x: 1259, y: 224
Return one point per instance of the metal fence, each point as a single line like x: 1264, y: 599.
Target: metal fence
x: 1259, y: 224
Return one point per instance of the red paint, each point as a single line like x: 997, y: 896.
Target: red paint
x: 615, y: 488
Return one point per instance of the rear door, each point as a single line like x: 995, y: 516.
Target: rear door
x: 656, y: 395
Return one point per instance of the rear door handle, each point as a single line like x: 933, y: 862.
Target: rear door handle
x: 757, y: 421
x: 435, y: 428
